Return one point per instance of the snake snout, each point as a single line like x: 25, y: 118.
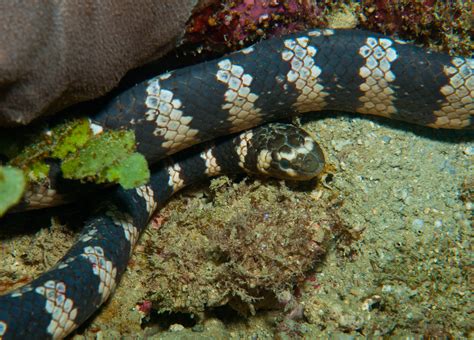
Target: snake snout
x: 295, y: 154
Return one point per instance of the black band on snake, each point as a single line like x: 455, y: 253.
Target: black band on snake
x: 346, y: 70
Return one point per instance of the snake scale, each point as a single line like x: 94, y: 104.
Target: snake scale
x: 319, y: 69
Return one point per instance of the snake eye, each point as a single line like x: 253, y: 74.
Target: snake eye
x: 285, y: 164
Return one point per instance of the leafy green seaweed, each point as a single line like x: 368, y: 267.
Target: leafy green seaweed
x: 51, y: 143
x: 12, y: 185
x: 108, y: 158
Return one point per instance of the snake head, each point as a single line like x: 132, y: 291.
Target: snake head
x: 287, y: 152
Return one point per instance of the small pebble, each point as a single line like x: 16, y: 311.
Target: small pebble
x: 198, y: 328
x: 417, y: 223
x: 338, y: 145
x: 417, y: 226
x: 176, y: 327
x: 469, y: 150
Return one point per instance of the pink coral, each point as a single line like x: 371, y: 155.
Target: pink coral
x: 234, y: 24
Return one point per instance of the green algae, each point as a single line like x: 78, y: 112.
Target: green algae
x: 12, y: 184
x: 57, y: 142
x: 70, y: 138
x: 108, y: 157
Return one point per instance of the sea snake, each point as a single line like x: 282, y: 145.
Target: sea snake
x: 320, y: 69
x: 61, y: 299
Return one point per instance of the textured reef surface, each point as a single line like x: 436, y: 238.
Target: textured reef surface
x: 379, y: 247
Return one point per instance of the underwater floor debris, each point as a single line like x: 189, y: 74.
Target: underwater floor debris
x: 397, y: 265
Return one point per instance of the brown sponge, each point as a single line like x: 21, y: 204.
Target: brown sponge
x: 57, y: 53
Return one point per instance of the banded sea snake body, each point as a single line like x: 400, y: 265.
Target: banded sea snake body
x: 346, y: 70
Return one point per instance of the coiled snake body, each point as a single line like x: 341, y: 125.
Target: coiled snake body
x: 347, y: 70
